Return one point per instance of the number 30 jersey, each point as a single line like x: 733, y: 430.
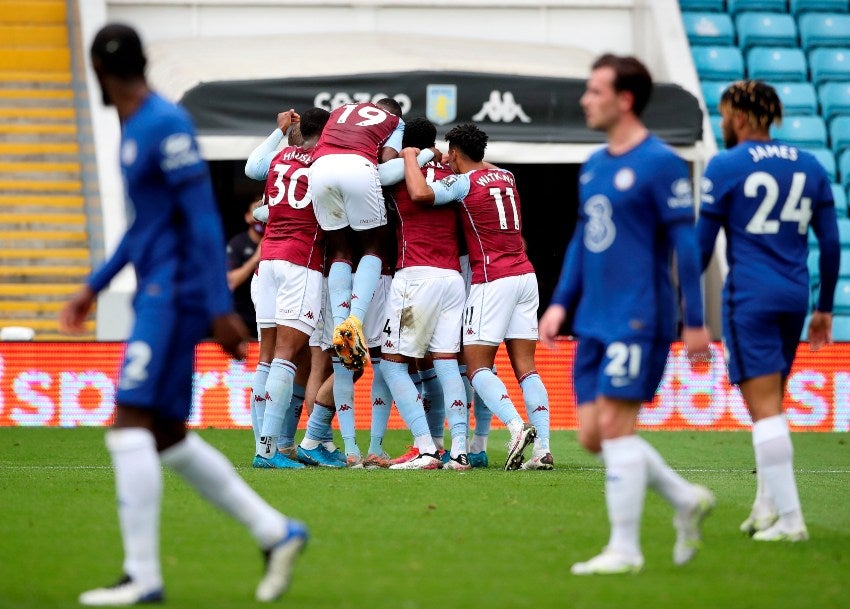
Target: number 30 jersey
x: 492, y: 221
x: 765, y: 195
x: 292, y: 232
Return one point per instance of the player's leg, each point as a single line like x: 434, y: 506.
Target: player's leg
x: 382, y: 401
x: 286, y: 441
x: 258, y: 382
x: 433, y: 402
x: 521, y: 354
x: 316, y: 448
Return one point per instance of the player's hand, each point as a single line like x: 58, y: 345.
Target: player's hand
x: 73, y: 315
x: 550, y: 324
x: 697, y: 344
x: 410, y: 151
x: 230, y: 332
x: 438, y: 156
x: 285, y: 119
x: 820, y: 330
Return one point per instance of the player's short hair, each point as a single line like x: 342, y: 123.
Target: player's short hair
x: 419, y: 132
x: 313, y: 122
x: 630, y: 74
x: 757, y: 100
x: 390, y: 105
x: 469, y: 139
x: 118, y: 50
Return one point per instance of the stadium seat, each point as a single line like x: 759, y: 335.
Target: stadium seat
x: 797, y: 98
x: 766, y: 29
x: 826, y: 159
x: 777, y: 63
x: 715, y: 120
x: 839, y: 134
x: 802, y: 131
x: 834, y: 99
x: 840, y: 198
x: 739, y: 6
x: 844, y: 232
x: 824, y: 30
x: 813, y: 262
x: 829, y: 64
x: 844, y: 169
x: 831, y: 6
x: 718, y: 63
x: 702, y: 5
x: 711, y: 92
x: 842, y: 297
x: 709, y: 28
x: 841, y: 328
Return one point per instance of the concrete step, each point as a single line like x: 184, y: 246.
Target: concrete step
x: 64, y: 186
x: 18, y: 115
x: 23, y: 221
x: 44, y: 291
x: 55, y: 337
x: 37, y: 238
x: 12, y: 309
x: 38, y: 132
x: 35, y: 59
x: 40, y: 168
x: 20, y: 35
x: 44, y: 254
x: 32, y: 203
x: 33, y: 12
x: 17, y: 78
x: 35, y: 274
x: 31, y: 98
x: 49, y: 324
x: 11, y: 150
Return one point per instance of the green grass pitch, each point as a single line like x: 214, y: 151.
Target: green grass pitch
x: 431, y: 540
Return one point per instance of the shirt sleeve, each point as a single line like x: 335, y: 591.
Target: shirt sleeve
x: 684, y: 241
x: 396, y: 136
x: 257, y: 165
x: 824, y: 223
x: 568, y: 289
x: 392, y: 172
x: 451, y: 188
x: 117, y: 261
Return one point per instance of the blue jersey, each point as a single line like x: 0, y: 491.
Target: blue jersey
x: 174, y: 238
x: 634, y: 209
x: 765, y: 195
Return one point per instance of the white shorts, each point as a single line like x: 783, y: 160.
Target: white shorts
x: 376, y: 321
x: 501, y: 309
x: 424, y: 312
x: 255, y: 297
x: 289, y: 295
x: 346, y: 191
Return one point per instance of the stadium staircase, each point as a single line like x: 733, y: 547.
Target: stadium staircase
x: 802, y: 48
x: 44, y: 238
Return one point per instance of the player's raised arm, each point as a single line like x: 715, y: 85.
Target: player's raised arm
x: 257, y: 165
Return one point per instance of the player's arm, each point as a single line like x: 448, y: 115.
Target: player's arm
x: 707, y: 228
x: 825, y: 225
x: 713, y: 209
x: 694, y: 333
x: 239, y: 272
x: 393, y: 144
x: 257, y: 165
x: 392, y: 172
x: 449, y: 189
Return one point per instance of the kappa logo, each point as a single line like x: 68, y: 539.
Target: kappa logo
x: 259, y: 398
x: 379, y: 402
x: 344, y: 407
x: 458, y: 404
x: 501, y: 108
x: 540, y: 409
x: 345, y: 304
x: 309, y: 315
x: 389, y: 344
x: 505, y: 396
x: 470, y: 331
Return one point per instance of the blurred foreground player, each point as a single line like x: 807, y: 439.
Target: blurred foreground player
x: 176, y: 244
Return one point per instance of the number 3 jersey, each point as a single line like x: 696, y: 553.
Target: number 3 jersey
x: 292, y: 232
x: 765, y: 194
x: 630, y: 208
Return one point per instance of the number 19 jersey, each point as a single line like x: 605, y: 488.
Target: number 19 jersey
x: 764, y: 194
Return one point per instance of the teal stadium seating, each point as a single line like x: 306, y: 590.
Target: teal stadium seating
x: 844, y: 170
x: 718, y: 62
x: 840, y: 198
x: 834, y: 99
x: 739, y: 6
x: 709, y: 28
x: 777, y: 63
x: 798, y: 7
x: 824, y: 30
x: 826, y: 159
x: 702, y: 5
x: 841, y: 328
x: 711, y: 92
x: 765, y: 29
x: 839, y: 133
x: 797, y: 98
x: 842, y: 297
x: 802, y: 131
x: 830, y: 64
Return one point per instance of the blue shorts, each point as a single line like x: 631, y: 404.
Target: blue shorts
x: 760, y: 342
x: 626, y: 371
x: 159, y: 361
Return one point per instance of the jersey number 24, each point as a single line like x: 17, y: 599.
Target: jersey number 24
x: 796, y: 208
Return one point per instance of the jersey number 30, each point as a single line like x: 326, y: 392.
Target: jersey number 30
x: 280, y: 170
x: 795, y: 209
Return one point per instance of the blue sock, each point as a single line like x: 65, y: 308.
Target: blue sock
x: 382, y: 402
x: 483, y: 417
x: 339, y: 290
x: 319, y: 423
x: 278, y: 395
x: 293, y: 415
x: 258, y: 398
x: 364, y: 283
x: 537, y: 406
x: 491, y: 388
x: 407, y: 398
x: 344, y: 400
x: 433, y: 403
x: 454, y: 400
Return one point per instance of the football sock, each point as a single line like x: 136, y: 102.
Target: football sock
x: 213, y: 476
x: 454, y: 399
x: 317, y: 424
x: 278, y: 396
x: 495, y: 396
x: 662, y: 479
x: 483, y: 418
x: 339, y: 290
x: 291, y: 418
x: 775, y: 461
x: 407, y: 398
x: 138, y: 484
x: 625, y: 489
x: 433, y: 404
x: 364, y: 284
x: 537, y: 407
x: 344, y: 400
x: 258, y: 398
x: 382, y: 401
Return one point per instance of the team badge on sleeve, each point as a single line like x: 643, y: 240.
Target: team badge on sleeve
x: 682, y: 195
x: 178, y: 150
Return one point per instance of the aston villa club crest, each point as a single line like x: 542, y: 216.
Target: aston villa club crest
x: 441, y: 103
